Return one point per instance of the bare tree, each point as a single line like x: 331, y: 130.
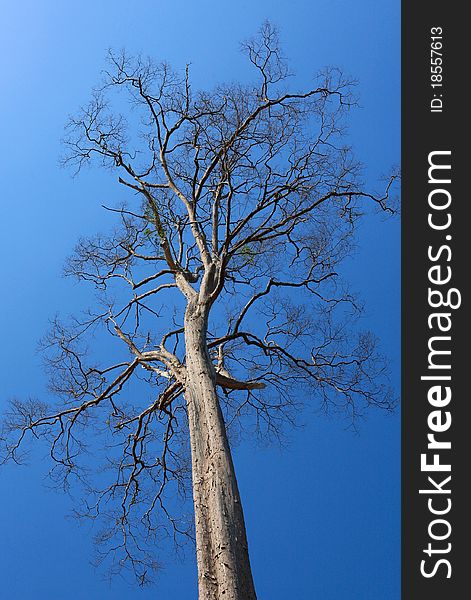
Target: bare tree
x: 219, y: 286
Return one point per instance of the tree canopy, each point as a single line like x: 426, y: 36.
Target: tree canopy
x: 243, y: 199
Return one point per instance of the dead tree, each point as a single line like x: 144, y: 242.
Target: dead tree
x: 219, y: 287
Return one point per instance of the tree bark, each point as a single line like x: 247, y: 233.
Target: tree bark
x: 224, y: 571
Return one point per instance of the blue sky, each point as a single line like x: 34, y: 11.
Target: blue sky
x: 322, y: 513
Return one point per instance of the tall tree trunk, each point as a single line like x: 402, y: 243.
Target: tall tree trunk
x: 224, y: 571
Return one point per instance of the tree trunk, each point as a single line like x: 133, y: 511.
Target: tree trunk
x: 221, y: 543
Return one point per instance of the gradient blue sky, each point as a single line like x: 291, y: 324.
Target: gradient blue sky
x: 323, y: 513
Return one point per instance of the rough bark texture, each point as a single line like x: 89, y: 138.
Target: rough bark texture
x: 221, y: 542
